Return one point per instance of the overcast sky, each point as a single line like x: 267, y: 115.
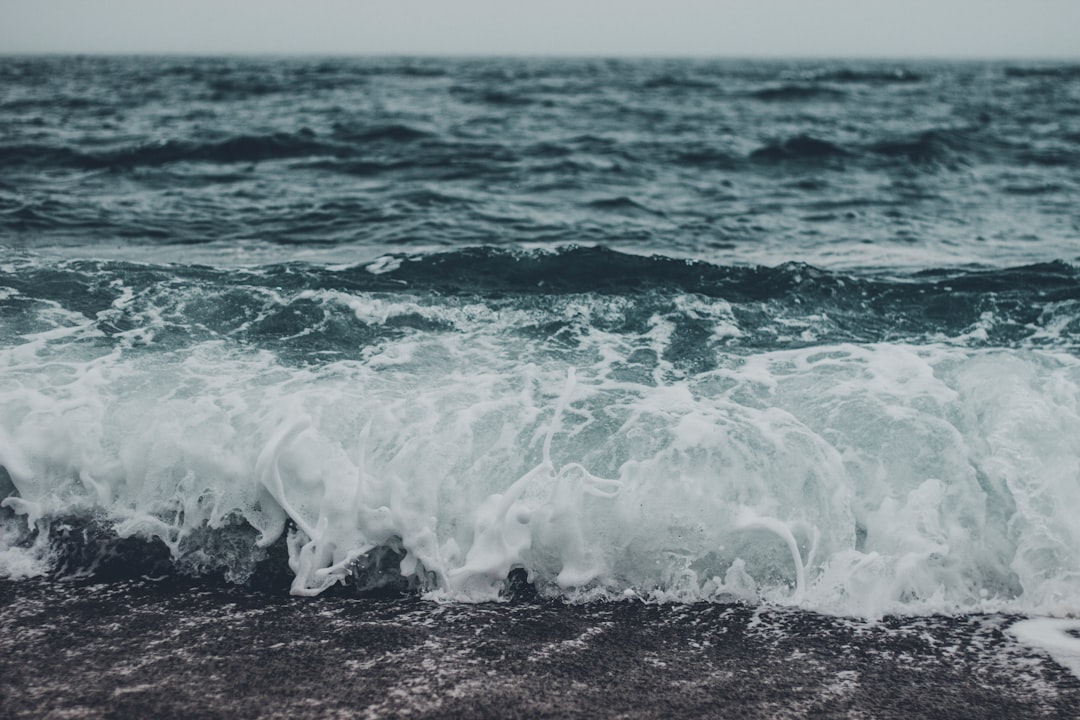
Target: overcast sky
x: 785, y: 28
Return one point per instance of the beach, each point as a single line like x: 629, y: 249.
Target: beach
x: 169, y: 649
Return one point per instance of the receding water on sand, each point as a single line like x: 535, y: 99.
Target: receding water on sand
x: 174, y: 649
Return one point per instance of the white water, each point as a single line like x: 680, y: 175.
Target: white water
x: 1056, y: 636
x: 849, y: 479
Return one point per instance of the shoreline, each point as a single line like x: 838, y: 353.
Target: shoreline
x: 179, y: 649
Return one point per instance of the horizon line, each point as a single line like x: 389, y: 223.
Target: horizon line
x: 538, y: 56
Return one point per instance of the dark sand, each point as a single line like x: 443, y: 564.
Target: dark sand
x: 145, y: 649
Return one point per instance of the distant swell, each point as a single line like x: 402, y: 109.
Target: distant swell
x: 410, y: 151
x: 945, y: 147
x: 847, y: 75
x: 934, y: 149
x: 378, y: 133
x: 1068, y: 72
x: 799, y: 148
x: 798, y: 93
x: 253, y: 148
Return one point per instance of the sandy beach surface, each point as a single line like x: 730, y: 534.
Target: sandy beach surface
x: 171, y: 649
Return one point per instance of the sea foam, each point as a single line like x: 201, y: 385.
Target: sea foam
x: 854, y: 479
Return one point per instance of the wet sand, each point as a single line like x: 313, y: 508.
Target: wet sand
x: 170, y: 649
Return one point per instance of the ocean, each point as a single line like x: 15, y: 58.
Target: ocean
x: 540, y: 351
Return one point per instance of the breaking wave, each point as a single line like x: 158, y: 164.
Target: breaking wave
x: 597, y: 443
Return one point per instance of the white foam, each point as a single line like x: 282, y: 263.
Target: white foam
x: 21, y: 559
x: 1058, y: 637
x: 849, y: 479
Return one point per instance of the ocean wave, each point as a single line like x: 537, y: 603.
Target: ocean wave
x: 1033, y: 189
x: 793, y: 93
x: 801, y: 148
x: 593, y: 423
x: 229, y: 87
x: 409, y: 157
x: 621, y: 204
x: 705, y: 156
x: 851, y: 479
x: 1055, y: 72
x: 314, y: 321
x: 945, y: 147
x: 97, y: 106
x: 39, y: 155
x: 1050, y: 157
x: 394, y: 132
x: 873, y: 77
x: 237, y: 149
x: 680, y: 82
x: 291, y: 308
x: 498, y: 96
x: 242, y: 148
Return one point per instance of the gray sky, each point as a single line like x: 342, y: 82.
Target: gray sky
x: 787, y: 28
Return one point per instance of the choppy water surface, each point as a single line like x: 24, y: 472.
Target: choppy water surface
x: 803, y: 333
